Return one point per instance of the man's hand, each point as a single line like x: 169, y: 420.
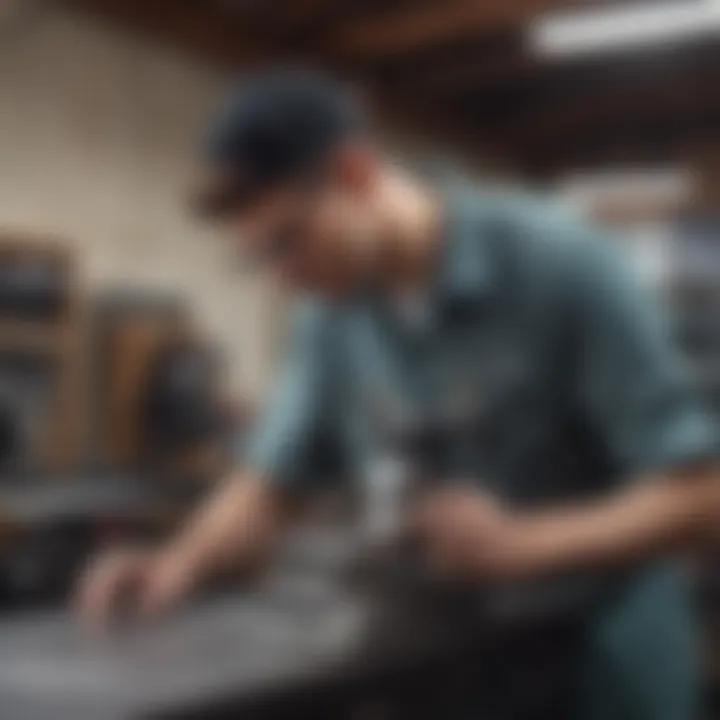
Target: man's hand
x: 146, y: 581
x: 466, y: 533
x: 471, y: 536
x: 235, y: 530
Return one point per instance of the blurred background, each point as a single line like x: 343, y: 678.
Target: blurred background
x: 132, y: 354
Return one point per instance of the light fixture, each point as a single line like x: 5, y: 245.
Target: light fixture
x: 583, y: 32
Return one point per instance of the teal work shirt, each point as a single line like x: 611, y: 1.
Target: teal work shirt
x: 537, y: 322
x: 537, y: 318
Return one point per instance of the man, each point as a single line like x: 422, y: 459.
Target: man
x: 590, y: 454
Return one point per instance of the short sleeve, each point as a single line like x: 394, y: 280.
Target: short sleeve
x: 280, y: 446
x: 632, y: 385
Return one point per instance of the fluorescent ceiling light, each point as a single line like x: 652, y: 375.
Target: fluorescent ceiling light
x: 574, y: 33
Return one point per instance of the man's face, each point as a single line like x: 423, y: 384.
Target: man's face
x: 318, y: 235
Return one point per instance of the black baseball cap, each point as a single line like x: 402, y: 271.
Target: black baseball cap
x: 276, y: 125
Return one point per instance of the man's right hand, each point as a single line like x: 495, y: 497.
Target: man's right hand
x: 142, y: 581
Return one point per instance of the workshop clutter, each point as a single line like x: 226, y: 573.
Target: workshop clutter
x: 115, y: 380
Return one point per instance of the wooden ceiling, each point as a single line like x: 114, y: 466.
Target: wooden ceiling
x: 460, y: 70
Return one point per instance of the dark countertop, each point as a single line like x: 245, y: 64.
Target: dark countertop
x: 300, y: 628
x: 51, y: 668
x: 297, y: 627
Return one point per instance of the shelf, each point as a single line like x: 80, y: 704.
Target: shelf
x: 25, y: 336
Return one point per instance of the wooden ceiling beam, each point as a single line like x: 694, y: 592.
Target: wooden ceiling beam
x: 666, y: 140
x: 599, y: 108
x: 475, y: 76
x: 458, y: 69
x: 304, y: 12
x: 394, y: 32
x: 439, y: 127
x: 288, y: 21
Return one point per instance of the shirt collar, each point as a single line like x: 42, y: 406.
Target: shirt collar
x: 466, y: 270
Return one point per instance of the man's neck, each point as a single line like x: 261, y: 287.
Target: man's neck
x: 412, y: 237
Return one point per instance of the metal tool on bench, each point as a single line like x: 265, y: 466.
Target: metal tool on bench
x: 415, y: 454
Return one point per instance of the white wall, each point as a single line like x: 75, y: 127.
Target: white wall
x: 97, y: 135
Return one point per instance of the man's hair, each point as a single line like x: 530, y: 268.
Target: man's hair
x: 276, y: 126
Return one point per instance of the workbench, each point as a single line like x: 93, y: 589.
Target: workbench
x: 296, y: 645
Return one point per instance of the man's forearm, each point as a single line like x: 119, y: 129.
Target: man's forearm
x: 235, y: 528
x: 646, y: 519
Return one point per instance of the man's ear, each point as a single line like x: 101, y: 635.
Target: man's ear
x: 355, y: 166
